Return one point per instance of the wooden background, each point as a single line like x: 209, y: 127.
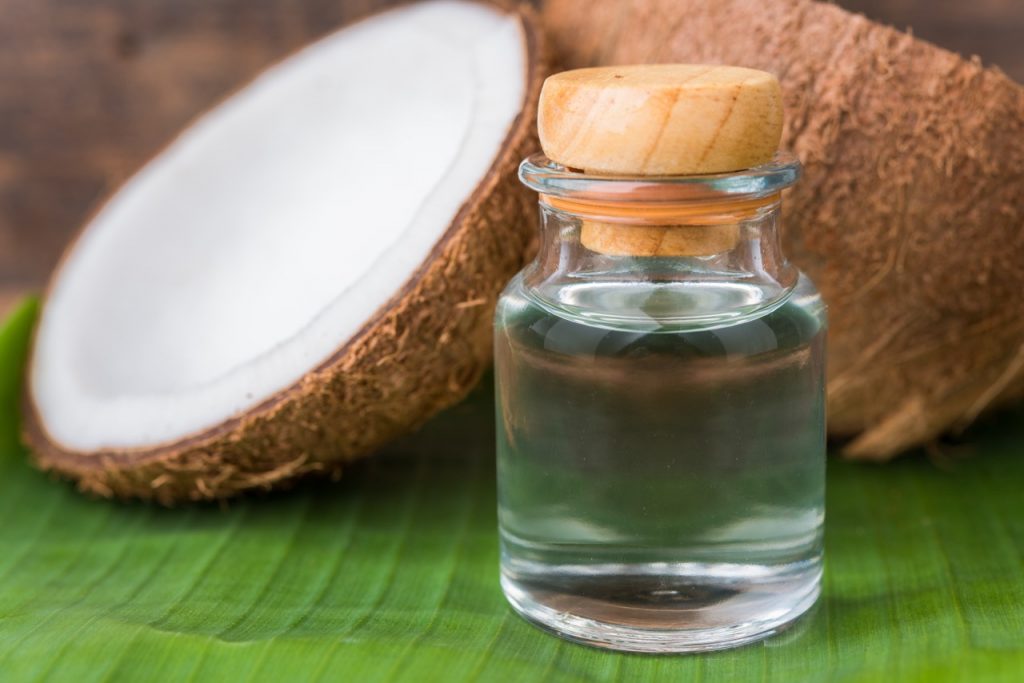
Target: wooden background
x: 89, y: 89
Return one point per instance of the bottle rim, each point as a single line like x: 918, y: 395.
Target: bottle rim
x: 549, y: 178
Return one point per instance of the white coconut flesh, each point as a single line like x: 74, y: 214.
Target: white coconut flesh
x: 270, y: 232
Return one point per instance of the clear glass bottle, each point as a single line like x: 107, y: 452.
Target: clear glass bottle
x: 661, y: 419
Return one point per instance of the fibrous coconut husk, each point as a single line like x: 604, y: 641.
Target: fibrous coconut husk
x: 421, y: 352
x: 910, y: 213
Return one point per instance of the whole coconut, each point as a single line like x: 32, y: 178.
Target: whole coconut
x: 910, y: 212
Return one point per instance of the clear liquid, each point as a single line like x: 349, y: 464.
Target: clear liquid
x: 661, y: 480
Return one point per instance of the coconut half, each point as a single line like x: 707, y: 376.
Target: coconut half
x: 304, y: 273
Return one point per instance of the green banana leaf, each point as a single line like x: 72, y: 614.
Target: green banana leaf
x: 391, y: 574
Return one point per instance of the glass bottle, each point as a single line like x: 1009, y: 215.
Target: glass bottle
x: 661, y: 418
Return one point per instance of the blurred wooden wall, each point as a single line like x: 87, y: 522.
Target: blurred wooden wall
x: 89, y: 89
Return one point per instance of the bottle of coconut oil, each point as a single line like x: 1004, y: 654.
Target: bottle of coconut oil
x: 660, y: 370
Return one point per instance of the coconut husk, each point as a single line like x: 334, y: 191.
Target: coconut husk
x: 909, y: 216
x: 423, y: 351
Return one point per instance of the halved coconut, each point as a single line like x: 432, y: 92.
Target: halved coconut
x: 305, y: 273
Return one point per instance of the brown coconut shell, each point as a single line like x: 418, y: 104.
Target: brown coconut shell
x: 420, y: 353
x: 909, y: 216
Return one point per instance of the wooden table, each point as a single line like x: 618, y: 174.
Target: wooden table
x: 88, y: 91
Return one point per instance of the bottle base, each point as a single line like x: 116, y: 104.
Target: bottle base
x: 688, y: 607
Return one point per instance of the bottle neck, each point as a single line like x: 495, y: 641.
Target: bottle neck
x: 656, y: 274
x: 668, y: 253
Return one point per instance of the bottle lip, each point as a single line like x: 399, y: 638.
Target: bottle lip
x: 548, y: 178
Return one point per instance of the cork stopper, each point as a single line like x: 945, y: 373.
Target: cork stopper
x: 658, y: 120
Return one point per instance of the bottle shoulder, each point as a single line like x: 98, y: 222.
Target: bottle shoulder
x: 795, y: 323
x: 656, y: 306
x: 806, y: 296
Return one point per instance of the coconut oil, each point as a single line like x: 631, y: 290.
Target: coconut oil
x: 661, y: 426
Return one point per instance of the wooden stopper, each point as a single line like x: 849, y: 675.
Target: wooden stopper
x: 657, y: 120
x: 660, y: 119
x: 656, y: 240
